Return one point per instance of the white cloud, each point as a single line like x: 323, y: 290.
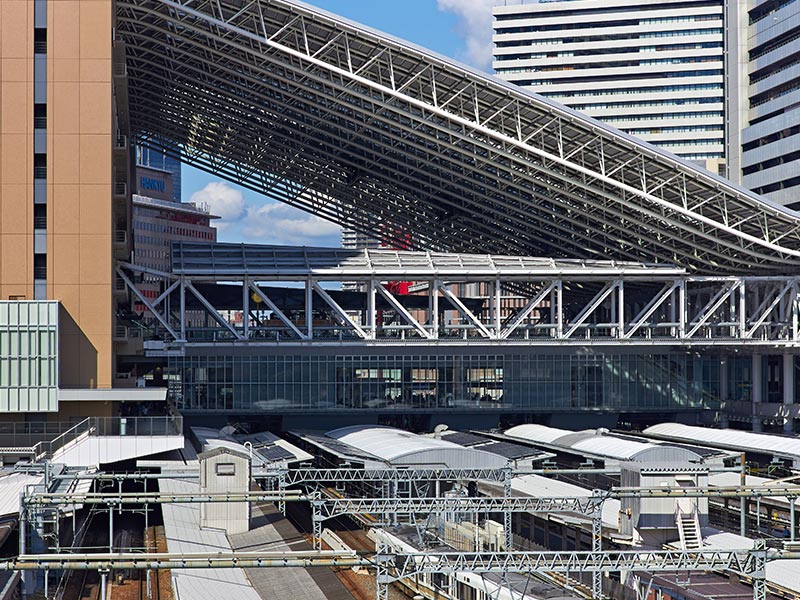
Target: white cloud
x: 222, y: 200
x: 475, y: 26
x: 280, y: 223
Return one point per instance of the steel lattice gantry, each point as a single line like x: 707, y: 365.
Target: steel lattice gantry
x: 394, y: 141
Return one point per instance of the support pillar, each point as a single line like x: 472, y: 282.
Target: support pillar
x: 788, y: 390
x: 597, y: 542
x: 743, y: 499
x: 103, y: 580
x: 759, y: 573
x: 309, y: 310
x: 724, y: 391
x: 756, y: 396
x: 282, y: 490
x: 246, y: 309
x: 507, y: 517
x: 316, y: 524
x: 382, y: 579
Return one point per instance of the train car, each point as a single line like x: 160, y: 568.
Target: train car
x: 465, y: 585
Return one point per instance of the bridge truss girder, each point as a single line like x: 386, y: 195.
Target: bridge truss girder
x: 652, y: 310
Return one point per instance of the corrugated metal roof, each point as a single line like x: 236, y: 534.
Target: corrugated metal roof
x: 10, y: 488
x: 538, y: 486
x: 537, y: 433
x: 268, y: 448
x: 184, y: 536
x: 612, y: 447
x: 398, y: 446
x: 292, y: 262
x: 588, y: 441
x: 784, y: 573
x: 729, y: 479
x: 728, y: 438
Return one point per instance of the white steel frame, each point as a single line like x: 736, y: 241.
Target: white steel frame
x: 396, y: 142
x: 561, y: 303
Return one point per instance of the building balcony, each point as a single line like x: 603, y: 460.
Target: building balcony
x: 121, y: 247
x: 120, y: 288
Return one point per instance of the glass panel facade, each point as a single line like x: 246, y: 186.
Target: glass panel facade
x: 28, y: 356
x: 518, y: 380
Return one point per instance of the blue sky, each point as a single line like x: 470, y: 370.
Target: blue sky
x: 460, y: 29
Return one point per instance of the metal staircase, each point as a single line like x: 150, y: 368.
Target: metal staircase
x: 689, y: 528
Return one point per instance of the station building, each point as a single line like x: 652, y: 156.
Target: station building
x: 642, y: 285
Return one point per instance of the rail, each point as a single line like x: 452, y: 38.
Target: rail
x: 43, y: 440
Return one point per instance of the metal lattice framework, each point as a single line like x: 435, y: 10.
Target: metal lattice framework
x: 739, y: 560
x: 555, y: 301
x: 396, y: 142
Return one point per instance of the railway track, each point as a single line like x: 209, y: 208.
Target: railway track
x: 89, y: 587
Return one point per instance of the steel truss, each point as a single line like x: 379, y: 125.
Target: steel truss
x: 651, y: 308
x: 345, y: 475
x: 309, y: 108
x: 408, y: 564
x: 394, y: 566
x: 328, y: 508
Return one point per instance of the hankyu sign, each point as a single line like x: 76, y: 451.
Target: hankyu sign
x: 153, y: 183
x: 148, y: 183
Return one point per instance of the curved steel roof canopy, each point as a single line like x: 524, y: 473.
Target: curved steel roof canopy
x: 307, y: 107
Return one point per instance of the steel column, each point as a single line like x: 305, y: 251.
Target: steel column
x: 788, y: 389
x: 757, y: 390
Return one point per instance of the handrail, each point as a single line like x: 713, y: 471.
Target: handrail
x: 161, y: 425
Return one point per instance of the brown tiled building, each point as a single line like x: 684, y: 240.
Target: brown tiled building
x: 62, y: 150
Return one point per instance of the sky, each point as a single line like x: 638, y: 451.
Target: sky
x: 460, y: 29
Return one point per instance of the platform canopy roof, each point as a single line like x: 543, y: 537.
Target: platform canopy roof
x: 404, y: 449
x: 298, y: 263
x: 392, y: 140
x: 729, y: 439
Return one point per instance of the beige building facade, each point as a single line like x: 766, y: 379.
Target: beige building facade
x: 59, y: 138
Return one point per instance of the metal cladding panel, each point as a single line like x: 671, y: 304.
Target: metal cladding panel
x: 742, y: 441
x: 537, y: 433
x: 10, y: 488
x: 785, y: 574
x: 667, y: 455
x: 225, y: 470
x: 185, y: 536
x: 538, y: 486
x: 611, y: 447
x: 400, y: 447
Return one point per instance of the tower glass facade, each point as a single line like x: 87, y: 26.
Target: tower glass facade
x: 487, y: 379
x: 771, y: 138
x: 653, y: 69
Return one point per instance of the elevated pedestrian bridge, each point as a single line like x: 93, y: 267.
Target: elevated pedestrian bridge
x: 295, y: 297
x: 95, y: 440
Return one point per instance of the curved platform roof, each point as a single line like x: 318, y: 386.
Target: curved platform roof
x: 602, y: 444
x: 382, y: 136
x: 402, y: 448
x: 729, y: 439
x: 298, y: 263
